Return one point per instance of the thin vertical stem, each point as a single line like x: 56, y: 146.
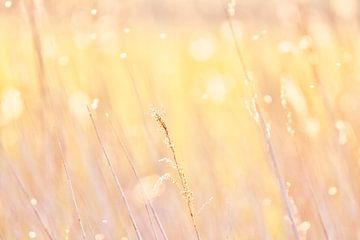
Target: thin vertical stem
x: 184, y: 183
x: 148, y: 204
x: 34, y: 209
x: 267, y: 138
x: 71, y: 188
x: 117, y: 181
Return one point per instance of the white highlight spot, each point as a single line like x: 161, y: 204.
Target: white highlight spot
x: 11, y: 105
x: 216, y: 88
x: 202, y: 49
x: 77, y: 103
x: 267, y: 99
x: 94, y: 11
x: 285, y: 47
x: 93, y: 36
x: 32, y: 234
x: 205, y: 96
x: 99, y: 236
x: 304, y: 226
x: 162, y: 35
x: 332, y: 191
x: 33, y: 201
x: 255, y: 37
x: 123, y: 55
x: 8, y: 4
x: 95, y: 103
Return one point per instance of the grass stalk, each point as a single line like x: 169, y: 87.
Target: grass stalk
x: 116, y: 179
x: 71, y: 188
x: 184, y: 183
x: 131, y: 161
x: 270, y: 148
x: 34, y: 209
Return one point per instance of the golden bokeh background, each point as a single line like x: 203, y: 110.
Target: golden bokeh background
x: 270, y: 151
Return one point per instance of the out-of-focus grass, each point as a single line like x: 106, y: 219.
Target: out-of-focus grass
x: 124, y: 58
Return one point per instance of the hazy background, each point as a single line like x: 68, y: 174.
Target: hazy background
x: 124, y: 58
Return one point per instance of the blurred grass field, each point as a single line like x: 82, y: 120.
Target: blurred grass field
x: 122, y: 61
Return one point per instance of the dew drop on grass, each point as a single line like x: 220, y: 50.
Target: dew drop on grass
x: 33, y: 201
x: 231, y: 7
x: 304, y: 227
x: 95, y: 103
x: 268, y: 130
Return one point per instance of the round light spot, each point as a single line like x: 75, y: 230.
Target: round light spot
x: 95, y: 103
x: 32, y: 234
x: 216, y: 88
x: 8, y: 4
x: 340, y: 125
x: 123, y: 55
x: 77, y: 103
x: 94, y: 11
x: 99, y: 236
x: 205, y: 96
x: 33, y: 201
x: 285, y: 47
x: 93, y: 36
x: 202, y: 49
x: 162, y: 35
x: 11, y: 105
x: 255, y: 37
x: 267, y: 99
x: 304, y: 226
x: 332, y: 191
